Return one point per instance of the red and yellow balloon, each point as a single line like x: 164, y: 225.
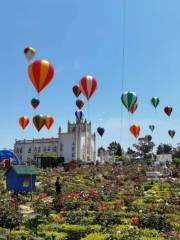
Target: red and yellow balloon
x: 41, y: 73
x: 49, y: 120
x: 24, y: 121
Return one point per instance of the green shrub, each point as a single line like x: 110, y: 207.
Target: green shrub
x: 155, y: 221
x: 9, y: 217
x: 75, y: 232
x: 107, y: 218
x: 96, y: 236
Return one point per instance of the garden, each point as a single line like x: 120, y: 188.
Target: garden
x: 97, y: 202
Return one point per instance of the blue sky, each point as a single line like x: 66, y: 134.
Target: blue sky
x: 81, y: 37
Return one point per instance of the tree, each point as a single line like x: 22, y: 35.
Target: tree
x: 130, y: 151
x: 164, y: 149
x: 115, y: 149
x: 144, y: 148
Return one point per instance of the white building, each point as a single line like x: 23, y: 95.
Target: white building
x: 78, y: 143
x: 105, y: 156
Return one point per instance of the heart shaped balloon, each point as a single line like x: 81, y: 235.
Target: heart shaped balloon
x: 49, y: 120
x: 76, y: 90
x: 79, y: 115
x: 24, y: 121
x: 79, y: 103
x: 168, y: 110
x: 39, y: 121
x: 151, y: 127
x: 172, y: 133
x: 135, y: 130
x: 100, y: 131
x: 155, y: 101
x: 35, y: 102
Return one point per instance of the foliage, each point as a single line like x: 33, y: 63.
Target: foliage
x: 155, y: 221
x: 164, y: 149
x: 9, y: 217
x: 96, y: 236
x: 115, y: 149
x: 144, y: 147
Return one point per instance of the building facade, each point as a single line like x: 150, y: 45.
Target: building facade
x: 78, y: 143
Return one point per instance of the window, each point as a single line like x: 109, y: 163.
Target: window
x: 39, y: 149
x: 21, y: 150
x: 72, y: 149
x: 29, y: 150
x: 72, y: 155
x: 44, y: 149
x: 26, y: 181
x: 49, y: 148
x: 54, y: 149
x: 61, y: 147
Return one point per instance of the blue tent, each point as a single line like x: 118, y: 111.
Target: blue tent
x: 7, y: 154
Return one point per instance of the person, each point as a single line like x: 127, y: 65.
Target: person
x: 58, y: 186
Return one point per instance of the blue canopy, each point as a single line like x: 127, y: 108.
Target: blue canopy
x: 4, y: 154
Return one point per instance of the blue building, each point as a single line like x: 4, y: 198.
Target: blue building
x: 21, y: 178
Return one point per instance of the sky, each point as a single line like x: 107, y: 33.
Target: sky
x: 85, y: 37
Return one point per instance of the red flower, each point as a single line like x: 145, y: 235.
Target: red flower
x: 134, y: 220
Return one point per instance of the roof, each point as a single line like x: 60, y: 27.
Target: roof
x: 23, y: 170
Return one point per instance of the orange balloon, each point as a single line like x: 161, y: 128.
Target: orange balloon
x: 135, y: 130
x: 49, y: 120
x: 23, y: 121
x: 41, y: 73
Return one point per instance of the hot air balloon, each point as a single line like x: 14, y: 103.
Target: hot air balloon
x: 171, y: 133
x: 76, y: 90
x: 155, y: 101
x: 135, y: 130
x: 88, y: 86
x: 168, y: 110
x: 151, y: 127
x: 24, y: 121
x: 49, y: 120
x: 147, y: 138
x: 79, y: 103
x: 39, y: 121
x: 129, y: 99
x: 29, y: 53
x: 100, y: 130
x: 41, y: 73
x: 133, y: 108
x: 35, y: 102
x: 79, y: 115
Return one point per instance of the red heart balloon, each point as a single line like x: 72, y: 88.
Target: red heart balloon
x: 168, y: 110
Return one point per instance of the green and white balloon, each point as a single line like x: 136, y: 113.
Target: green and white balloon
x: 128, y: 99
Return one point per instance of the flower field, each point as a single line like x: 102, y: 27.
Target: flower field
x: 98, y: 203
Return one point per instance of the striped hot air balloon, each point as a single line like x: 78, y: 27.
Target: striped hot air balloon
x: 24, y: 121
x: 40, y: 73
x: 39, y: 121
x: 129, y: 99
x: 49, y: 120
x: 88, y: 85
